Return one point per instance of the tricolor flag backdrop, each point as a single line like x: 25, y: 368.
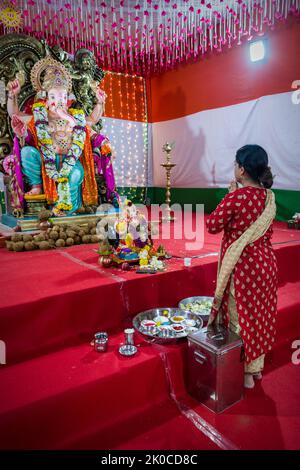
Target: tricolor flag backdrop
x: 209, y: 109
x: 213, y: 107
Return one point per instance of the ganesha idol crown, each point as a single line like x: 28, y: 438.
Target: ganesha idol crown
x: 55, y: 75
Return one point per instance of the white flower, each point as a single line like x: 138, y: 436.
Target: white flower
x: 156, y: 263
x: 143, y: 254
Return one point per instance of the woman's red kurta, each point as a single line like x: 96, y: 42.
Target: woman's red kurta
x: 255, y: 274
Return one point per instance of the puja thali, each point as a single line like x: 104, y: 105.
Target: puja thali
x: 198, y: 305
x: 167, y: 324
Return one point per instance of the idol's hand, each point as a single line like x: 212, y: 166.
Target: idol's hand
x: 101, y: 96
x: 14, y: 87
x: 233, y: 186
x: 18, y: 126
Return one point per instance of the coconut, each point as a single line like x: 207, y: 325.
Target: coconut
x: 70, y: 233
x: 44, y: 245
x: 94, y: 239
x: 51, y: 243
x: 18, y: 246
x: 56, y: 228
x: 16, y: 238
x: 77, y: 239
x: 86, y: 239
x: 69, y: 241
x: 53, y: 235
x: 93, y: 231
x: 27, y: 238
x: 76, y: 228
x: 63, y: 235
x: 81, y: 233
x: 60, y: 243
x: 29, y: 246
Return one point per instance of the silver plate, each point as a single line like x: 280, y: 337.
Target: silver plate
x: 204, y: 315
x: 128, y: 350
x: 164, y: 336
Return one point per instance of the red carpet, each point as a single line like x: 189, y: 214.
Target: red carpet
x: 67, y: 396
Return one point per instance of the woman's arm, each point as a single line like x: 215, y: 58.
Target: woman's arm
x: 223, y: 214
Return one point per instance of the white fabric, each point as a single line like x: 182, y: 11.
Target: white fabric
x: 206, y: 142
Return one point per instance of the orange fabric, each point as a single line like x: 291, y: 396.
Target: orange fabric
x: 228, y: 78
x: 89, y: 186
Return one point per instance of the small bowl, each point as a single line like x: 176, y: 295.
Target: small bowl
x: 128, y: 350
x: 161, y: 320
x: 148, y: 323
x: 178, y: 328
x: 177, y: 319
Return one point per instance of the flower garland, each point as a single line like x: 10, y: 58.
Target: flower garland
x: 45, y: 142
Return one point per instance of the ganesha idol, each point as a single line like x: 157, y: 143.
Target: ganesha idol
x: 61, y: 153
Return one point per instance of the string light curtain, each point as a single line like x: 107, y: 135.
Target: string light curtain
x: 125, y: 123
x: 148, y: 36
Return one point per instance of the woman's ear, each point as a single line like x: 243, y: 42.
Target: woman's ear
x: 242, y: 170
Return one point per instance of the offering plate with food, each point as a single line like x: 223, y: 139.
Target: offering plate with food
x: 166, y: 324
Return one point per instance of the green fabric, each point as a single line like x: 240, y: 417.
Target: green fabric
x: 288, y: 202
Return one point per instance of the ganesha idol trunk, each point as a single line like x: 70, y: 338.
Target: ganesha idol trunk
x: 215, y: 369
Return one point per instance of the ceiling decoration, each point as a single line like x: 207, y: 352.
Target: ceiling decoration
x: 150, y: 36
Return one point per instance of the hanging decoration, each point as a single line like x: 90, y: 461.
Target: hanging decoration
x: 147, y: 36
x: 10, y: 16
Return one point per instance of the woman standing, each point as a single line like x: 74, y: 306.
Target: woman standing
x: 246, y: 293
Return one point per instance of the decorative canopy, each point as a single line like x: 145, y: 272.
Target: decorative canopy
x: 149, y: 36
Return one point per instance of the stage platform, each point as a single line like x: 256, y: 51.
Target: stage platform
x: 67, y: 396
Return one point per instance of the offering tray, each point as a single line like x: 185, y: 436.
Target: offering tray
x: 165, y: 325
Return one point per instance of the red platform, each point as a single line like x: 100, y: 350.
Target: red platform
x: 67, y: 396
